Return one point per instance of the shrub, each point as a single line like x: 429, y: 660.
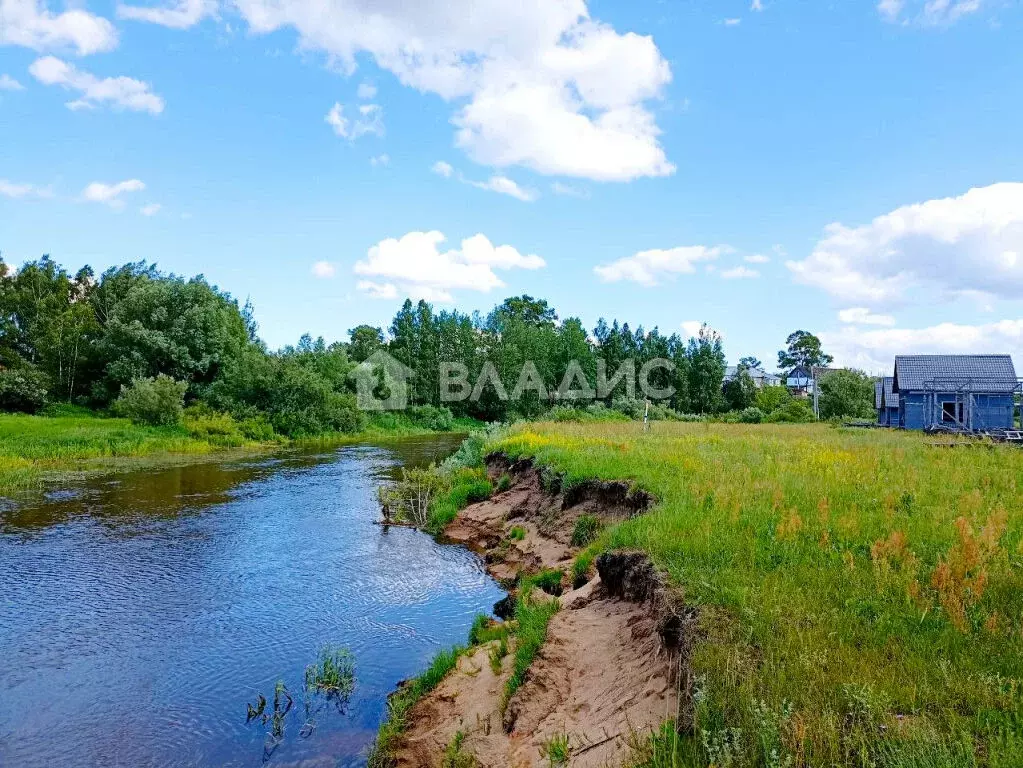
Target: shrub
x: 751, y: 415
x: 23, y: 389
x: 517, y: 533
x: 587, y: 528
x: 504, y: 482
x: 793, y: 412
x: 156, y: 402
x: 431, y: 417
x: 770, y: 399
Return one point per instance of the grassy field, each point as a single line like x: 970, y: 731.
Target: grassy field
x: 34, y: 449
x: 860, y: 592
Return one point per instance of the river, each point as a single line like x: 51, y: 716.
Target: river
x: 141, y: 612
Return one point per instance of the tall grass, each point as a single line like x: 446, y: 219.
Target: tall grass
x: 860, y: 592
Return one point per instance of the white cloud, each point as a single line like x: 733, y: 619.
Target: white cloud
x: 110, y: 194
x: 182, y: 15
x: 383, y: 159
x: 756, y: 258
x: 927, y: 12
x: 414, y: 265
x: 505, y: 186
x: 538, y: 84
x: 971, y: 245
x: 11, y: 189
x: 648, y: 267
x: 369, y: 120
x: 875, y: 350
x: 119, y: 92
x: 739, y: 273
x: 8, y: 83
x: 150, y: 210
x: 733, y: 22
x: 324, y: 269
x: 442, y: 169
x: 567, y: 190
x: 366, y: 91
x: 863, y: 316
x: 30, y: 24
x: 757, y: 5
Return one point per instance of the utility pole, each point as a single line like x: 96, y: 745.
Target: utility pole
x: 816, y: 401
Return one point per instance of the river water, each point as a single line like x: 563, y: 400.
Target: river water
x: 140, y: 613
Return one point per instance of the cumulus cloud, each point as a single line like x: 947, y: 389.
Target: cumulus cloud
x: 739, y: 273
x: 442, y: 169
x: 971, y: 245
x: 366, y: 91
x: 733, y: 22
x: 323, y: 269
x: 379, y: 160
x: 150, y: 210
x: 11, y: 189
x: 8, y: 83
x: 926, y: 12
x: 414, y: 265
x: 863, y: 316
x: 119, y: 92
x: 538, y: 84
x: 650, y: 267
x: 757, y: 5
x: 369, y: 119
x: 874, y: 350
x: 505, y: 186
x: 111, y: 194
x: 182, y: 15
x: 756, y: 258
x: 30, y: 24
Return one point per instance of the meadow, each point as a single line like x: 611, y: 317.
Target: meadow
x: 859, y: 592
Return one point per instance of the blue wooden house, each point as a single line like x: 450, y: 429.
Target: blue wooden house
x: 968, y: 391
x: 886, y: 402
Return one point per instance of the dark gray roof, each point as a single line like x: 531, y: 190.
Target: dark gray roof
x: 973, y: 373
x: 883, y: 395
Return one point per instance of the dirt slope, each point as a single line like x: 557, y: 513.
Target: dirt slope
x: 614, y: 660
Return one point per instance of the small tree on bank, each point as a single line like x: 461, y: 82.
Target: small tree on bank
x: 157, y: 402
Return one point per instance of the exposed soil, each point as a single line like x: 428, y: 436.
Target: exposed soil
x: 613, y: 667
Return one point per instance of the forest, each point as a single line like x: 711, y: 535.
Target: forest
x: 147, y: 344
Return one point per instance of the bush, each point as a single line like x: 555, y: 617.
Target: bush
x: 770, y: 399
x: 431, y: 417
x: 751, y: 415
x: 68, y: 411
x: 156, y: 402
x: 23, y: 389
x: 793, y: 412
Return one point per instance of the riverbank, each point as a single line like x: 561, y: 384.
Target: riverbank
x: 850, y: 598
x: 35, y: 450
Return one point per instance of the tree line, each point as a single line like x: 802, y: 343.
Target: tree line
x: 81, y: 339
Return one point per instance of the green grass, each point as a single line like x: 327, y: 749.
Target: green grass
x: 586, y: 529
x: 401, y: 702
x: 860, y: 592
x: 34, y: 449
x: 531, y: 617
x: 517, y: 533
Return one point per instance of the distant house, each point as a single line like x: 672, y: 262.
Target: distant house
x: 886, y: 402
x: 760, y: 377
x: 800, y: 379
x: 969, y: 391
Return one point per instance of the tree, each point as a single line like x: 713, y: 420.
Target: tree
x: 364, y: 341
x: 846, y: 394
x: 525, y: 309
x: 741, y: 391
x: 706, y: 371
x: 803, y: 350
x: 750, y: 363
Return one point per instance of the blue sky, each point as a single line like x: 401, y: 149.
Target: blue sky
x: 850, y: 168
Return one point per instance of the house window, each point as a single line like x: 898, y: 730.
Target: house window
x: 952, y: 412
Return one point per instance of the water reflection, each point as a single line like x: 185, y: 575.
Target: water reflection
x: 141, y: 612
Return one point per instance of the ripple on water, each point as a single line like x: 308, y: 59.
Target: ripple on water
x: 139, y: 618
